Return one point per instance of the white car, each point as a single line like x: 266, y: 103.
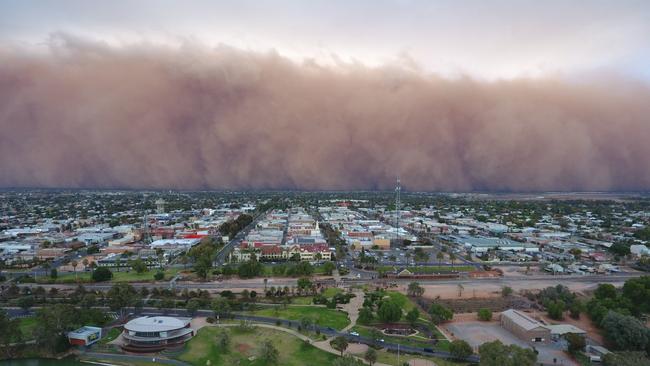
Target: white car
x: 354, y: 334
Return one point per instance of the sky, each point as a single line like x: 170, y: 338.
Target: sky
x: 450, y: 95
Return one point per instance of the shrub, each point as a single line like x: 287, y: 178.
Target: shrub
x: 485, y: 315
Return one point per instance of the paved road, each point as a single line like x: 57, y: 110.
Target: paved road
x: 227, y: 249
x: 258, y: 283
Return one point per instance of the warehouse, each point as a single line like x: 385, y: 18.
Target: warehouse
x: 524, y: 326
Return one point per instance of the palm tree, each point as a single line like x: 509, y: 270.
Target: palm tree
x: 440, y: 257
x: 452, y: 258
x: 85, y: 263
x: 74, y: 265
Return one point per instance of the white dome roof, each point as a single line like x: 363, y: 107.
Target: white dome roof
x: 155, y: 324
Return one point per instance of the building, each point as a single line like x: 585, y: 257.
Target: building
x: 155, y: 333
x: 85, y: 336
x: 524, y: 326
x: 639, y: 250
x: 560, y: 331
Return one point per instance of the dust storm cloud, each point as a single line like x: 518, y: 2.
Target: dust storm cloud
x: 89, y: 114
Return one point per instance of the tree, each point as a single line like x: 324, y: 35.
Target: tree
x: 370, y: 356
x: 250, y: 269
x: 605, y: 291
x: 74, y: 265
x: 485, y: 315
x: 576, y: 343
x: 414, y: 289
x: 101, y: 274
x: 389, y: 311
x: 192, y: 306
x: 460, y: 349
x: 625, y: 332
x: 221, y: 307
x: 139, y: 266
x: 159, y: 275
x: 497, y: 354
x: 506, y: 291
x: 268, y: 353
x: 85, y: 262
x: 365, y: 316
x: 340, y: 344
x: 328, y: 268
x: 346, y: 360
x: 121, y: 295
x: 26, y: 302
x: 203, y: 255
x: 88, y: 301
x: 7, y: 332
x: 440, y: 313
x: 223, y: 340
x: 54, y: 273
x: 420, y: 255
x: 626, y: 359
x: 412, y: 316
x: 303, y: 284
x: 440, y: 256
x: 555, y: 309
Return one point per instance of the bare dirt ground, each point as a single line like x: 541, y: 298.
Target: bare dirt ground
x: 357, y: 348
x: 483, y: 290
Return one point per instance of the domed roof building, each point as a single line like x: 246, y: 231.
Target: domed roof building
x: 155, y: 333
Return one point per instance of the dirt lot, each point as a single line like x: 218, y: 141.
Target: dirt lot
x: 477, y: 333
x: 482, y: 289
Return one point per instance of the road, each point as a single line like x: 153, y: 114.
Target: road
x: 258, y: 283
x: 221, y: 257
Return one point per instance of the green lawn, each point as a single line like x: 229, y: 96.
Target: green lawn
x: 321, y: 316
x: 302, y: 300
x: 27, y: 326
x: 112, y: 334
x: 404, y: 301
x: 122, y: 276
x: 331, y: 291
x: 244, y: 348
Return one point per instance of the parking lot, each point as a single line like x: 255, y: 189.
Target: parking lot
x: 477, y: 333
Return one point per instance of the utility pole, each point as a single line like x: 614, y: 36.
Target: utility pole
x: 398, y: 204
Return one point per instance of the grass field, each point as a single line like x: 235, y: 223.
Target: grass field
x: 122, y: 276
x: 244, y: 348
x: 27, y: 326
x: 331, y: 291
x: 404, y: 302
x: 321, y: 316
x: 112, y: 334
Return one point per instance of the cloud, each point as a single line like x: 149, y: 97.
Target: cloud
x: 91, y: 114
